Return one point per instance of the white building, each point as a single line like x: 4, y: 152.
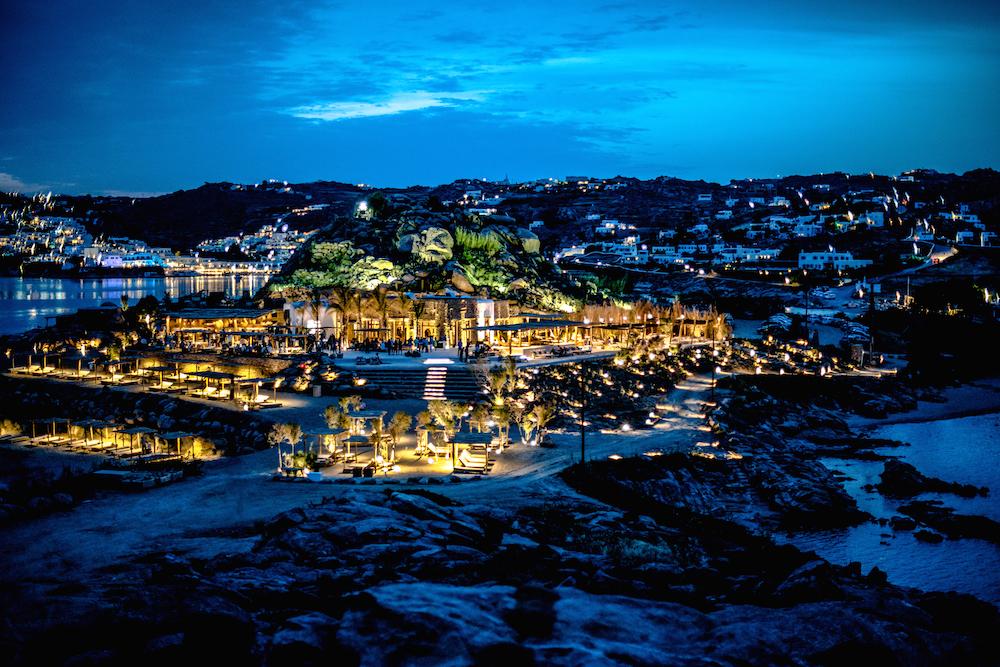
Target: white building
x: 832, y: 260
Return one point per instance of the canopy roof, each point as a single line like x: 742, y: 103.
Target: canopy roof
x: 213, y: 375
x: 134, y: 430
x: 366, y: 414
x: 222, y: 313
x: 467, y: 438
x: 124, y: 360
x: 176, y: 435
x: 528, y: 326
x: 326, y: 431
x: 95, y: 423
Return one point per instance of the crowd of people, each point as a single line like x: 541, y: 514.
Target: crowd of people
x: 397, y: 345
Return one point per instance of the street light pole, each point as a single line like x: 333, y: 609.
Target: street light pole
x: 583, y: 417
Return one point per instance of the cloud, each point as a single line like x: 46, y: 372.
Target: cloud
x: 396, y: 103
x: 11, y: 183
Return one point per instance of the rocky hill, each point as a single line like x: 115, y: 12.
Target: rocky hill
x: 422, y: 246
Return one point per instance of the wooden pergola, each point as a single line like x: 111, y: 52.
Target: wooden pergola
x: 561, y: 330
x: 330, y: 439
x: 89, y: 425
x: 177, y: 437
x: 220, y: 379
x: 478, y: 444
x: 51, y: 427
x: 131, y: 432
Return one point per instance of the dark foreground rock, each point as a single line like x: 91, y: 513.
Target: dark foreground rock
x: 934, y: 514
x: 901, y: 480
x: 399, y: 577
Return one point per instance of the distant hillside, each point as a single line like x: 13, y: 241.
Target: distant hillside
x: 183, y: 219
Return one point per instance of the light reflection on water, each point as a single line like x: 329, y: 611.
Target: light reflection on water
x: 25, y: 302
x: 960, y: 450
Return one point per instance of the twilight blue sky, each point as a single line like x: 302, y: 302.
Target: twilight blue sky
x: 142, y: 96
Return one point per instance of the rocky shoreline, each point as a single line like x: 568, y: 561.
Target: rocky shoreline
x: 766, y: 421
x: 408, y: 575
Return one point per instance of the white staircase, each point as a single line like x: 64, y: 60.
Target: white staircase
x: 434, y: 383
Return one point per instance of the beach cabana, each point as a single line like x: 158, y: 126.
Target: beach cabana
x: 248, y: 390
x: 120, y: 369
x: 470, y: 452
x: 215, y: 382
x: 51, y: 425
x: 328, y: 443
x: 89, y: 426
x: 360, y: 418
x: 178, y: 438
x: 131, y: 432
x: 158, y: 371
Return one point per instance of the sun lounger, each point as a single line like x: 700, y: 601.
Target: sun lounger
x: 473, y: 462
x: 439, y: 452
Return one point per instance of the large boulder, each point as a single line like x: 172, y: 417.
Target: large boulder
x: 901, y: 480
x: 461, y: 282
x: 433, y: 245
x: 405, y: 242
x: 529, y: 241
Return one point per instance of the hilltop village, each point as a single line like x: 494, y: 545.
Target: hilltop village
x: 835, y: 221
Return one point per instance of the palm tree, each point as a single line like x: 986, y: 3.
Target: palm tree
x: 339, y: 301
x: 379, y: 301
x: 315, y: 299
x: 398, y: 426
x: 405, y: 304
x: 356, y: 302
x: 418, y: 310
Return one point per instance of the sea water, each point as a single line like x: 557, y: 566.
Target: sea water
x: 965, y: 450
x: 26, y: 303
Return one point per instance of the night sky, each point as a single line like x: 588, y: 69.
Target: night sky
x: 123, y: 97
